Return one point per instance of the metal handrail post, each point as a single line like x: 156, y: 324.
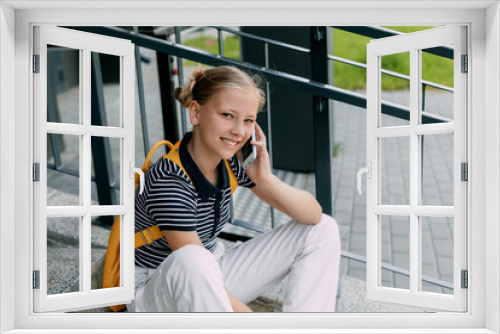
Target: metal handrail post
x: 321, y: 109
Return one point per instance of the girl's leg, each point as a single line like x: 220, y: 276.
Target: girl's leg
x: 309, y: 254
x: 189, y: 280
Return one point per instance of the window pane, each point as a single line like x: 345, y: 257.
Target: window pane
x: 395, y: 170
x: 437, y: 84
x: 106, y: 155
x: 437, y: 253
x: 437, y: 169
x: 63, y: 169
x: 395, y: 251
x: 394, y: 88
x: 100, y: 238
x: 106, y: 90
x: 63, y: 255
x: 63, y: 85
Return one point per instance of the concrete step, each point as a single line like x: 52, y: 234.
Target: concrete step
x: 63, y: 254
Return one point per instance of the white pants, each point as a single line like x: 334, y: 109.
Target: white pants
x: 192, y: 279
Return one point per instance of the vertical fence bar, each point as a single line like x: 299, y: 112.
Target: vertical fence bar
x: 166, y: 95
x: 269, y: 125
x: 322, y: 141
x: 52, y: 117
x: 101, y: 155
x: 142, y: 102
x: 221, y: 42
x: 180, y: 75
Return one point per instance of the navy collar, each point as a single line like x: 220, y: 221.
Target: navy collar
x: 204, y: 187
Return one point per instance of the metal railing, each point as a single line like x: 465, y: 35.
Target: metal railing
x: 319, y: 88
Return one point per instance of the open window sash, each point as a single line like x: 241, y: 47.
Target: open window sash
x: 83, y: 44
x: 413, y: 43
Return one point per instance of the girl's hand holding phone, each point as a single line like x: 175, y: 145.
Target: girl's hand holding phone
x: 259, y: 171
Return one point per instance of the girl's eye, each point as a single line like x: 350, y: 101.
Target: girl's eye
x: 226, y: 115
x: 249, y: 120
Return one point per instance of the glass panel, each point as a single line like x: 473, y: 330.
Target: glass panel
x: 437, y: 84
x: 106, y: 153
x: 395, y: 170
x: 63, y: 85
x: 106, y: 90
x: 437, y: 169
x: 63, y: 255
x: 394, y: 88
x: 437, y: 253
x: 395, y: 250
x: 63, y: 166
x: 100, y: 238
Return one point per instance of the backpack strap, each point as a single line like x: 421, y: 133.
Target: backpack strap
x: 147, y: 162
x: 174, y: 156
x: 147, y: 236
x: 233, y: 181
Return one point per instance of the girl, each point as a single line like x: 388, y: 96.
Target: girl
x: 183, y: 271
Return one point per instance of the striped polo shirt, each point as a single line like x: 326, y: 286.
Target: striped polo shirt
x: 171, y: 201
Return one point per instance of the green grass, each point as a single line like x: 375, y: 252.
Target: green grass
x: 353, y: 47
x: 209, y: 44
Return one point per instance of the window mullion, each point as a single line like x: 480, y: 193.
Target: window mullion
x: 85, y: 161
x: 414, y: 168
x: 85, y: 177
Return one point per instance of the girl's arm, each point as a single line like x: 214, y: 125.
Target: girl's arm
x: 297, y: 203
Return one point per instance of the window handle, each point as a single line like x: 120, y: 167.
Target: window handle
x: 367, y: 170
x: 139, y: 171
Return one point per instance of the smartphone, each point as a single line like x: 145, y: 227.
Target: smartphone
x: 249, y: 151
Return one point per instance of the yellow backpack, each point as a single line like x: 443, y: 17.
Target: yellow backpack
x: 111, y: 274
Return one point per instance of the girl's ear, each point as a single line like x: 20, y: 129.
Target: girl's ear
x: 194, y: 113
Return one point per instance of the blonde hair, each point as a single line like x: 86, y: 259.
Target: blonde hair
x: 205, y: 83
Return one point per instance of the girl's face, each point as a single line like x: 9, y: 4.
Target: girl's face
x: 224, y: 123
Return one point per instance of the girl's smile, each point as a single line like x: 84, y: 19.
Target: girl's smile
x: 230, y: 143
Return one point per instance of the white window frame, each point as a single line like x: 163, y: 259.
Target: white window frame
x: 85, y: 44
x: 483, y: 124
x: 413, y: 44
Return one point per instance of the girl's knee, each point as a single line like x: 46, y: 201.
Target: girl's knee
x: 193, y: 259
x: 329, y: 225
x: 328, y: 231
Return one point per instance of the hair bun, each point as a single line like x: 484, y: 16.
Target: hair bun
x: 184, y: 94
